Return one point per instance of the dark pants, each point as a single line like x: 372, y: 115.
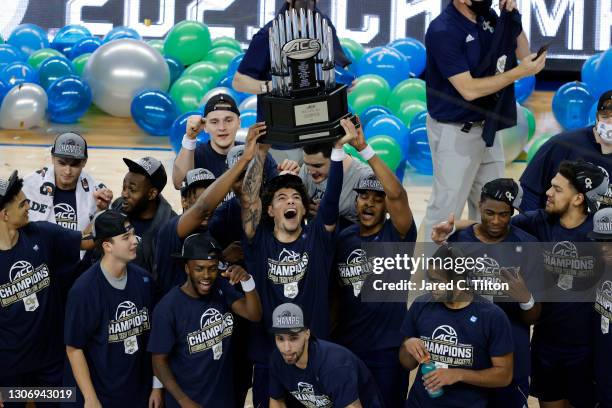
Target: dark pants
x: 390, y: 376
x: 51, y: 376
x: 513, y: 396
x: 261, y: 390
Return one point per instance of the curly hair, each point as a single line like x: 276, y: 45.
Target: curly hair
x: 273, y: 185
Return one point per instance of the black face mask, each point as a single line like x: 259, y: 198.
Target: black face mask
x: 481, y: 8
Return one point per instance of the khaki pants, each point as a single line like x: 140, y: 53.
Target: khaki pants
x: 462, y: 165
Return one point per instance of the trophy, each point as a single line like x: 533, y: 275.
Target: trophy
x: 306, y: 104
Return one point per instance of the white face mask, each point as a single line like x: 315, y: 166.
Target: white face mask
x: 605, y: 132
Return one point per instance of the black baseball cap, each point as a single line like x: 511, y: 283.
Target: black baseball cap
x: 70, y: 145
x: 605, y: 101
x: 287, y: 318
x: 198, y: 178
x: 592, y: 182
x: 504, y: 189
x: 199, y: 246
x: 221, y: 102
x: 108, y: 224
x: 369, y: 182
x: 151, y: 168
x: 602, y: 225
x: 6, y: 185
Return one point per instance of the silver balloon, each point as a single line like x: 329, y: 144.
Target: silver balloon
x: 119, y: 69
x: 216, y: 91
x: 241, y: 135
x: 515, y: 138
x: 249, y: 103
x: 23, y: 107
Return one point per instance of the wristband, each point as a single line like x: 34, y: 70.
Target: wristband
x: 367, y: 153
x: 188, y: 144
x: 528, y: 305
x: 249, y: 285
x: 156, y: 383
x: 338, y: 154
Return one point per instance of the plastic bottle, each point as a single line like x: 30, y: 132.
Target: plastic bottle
x: 427, y: 367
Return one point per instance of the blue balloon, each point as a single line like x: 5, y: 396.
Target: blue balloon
x: 387, y: 62
x: 154, y: 111
x: 234, y: 64
x: 3, y: 91
x: 69, y: 36
x: 28, y: 38
x: 603, y: 72
x: 419, y: 120
x: 121, y: 32
x: 524, y: 87
x: 571, y: 105
x: 400, y: 172
x: 69, y: 99
x: 349, y: 54
x: 176, y: 68
x: 9, y: 54
x: 54, y: 68
x: 371, y: 112
x: 17, y: 73
x: 344, y: 76
x: 593, y: 115
x: 419, y: 153
x: 179, y: 128
x: 414, y: 51
x: 227, y: 83
x: 84, y: 46
x: 588, y: 74
x: 248, y: 118
x: 389, y: 125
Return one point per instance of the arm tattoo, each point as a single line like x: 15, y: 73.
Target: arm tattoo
x: 250, y: 201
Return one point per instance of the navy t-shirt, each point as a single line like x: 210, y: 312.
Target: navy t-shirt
x: 365, y: 326
x: 564, y: 324
x: 225, y: 224
x: 454, y: 45
x: 112, y: 326
x: 64, y: 207
x: 296, y: 272
x: 603, y: 342
x: 32, y: 276
x: 333, y: 377
x: 196, y: 334
x: 457, y: 338
x: 498, y: 258
x: 572, y: 145
x: 256, y: 61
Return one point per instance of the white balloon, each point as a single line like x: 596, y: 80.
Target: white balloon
x: 216, y: 91
x: 249, y: 103
x: 515, y: 138
x: 23, y: 107
x: 120, y: 69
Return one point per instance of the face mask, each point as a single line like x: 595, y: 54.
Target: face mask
x: 605, y: 131
x: 481, y: 8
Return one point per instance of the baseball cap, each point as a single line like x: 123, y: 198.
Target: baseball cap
x: 150, y: 167
x: 605, y: 101
x: 369, y: 182
x: 221, y: 101
x: 506, y: 190
x: 287, y: 318
x: 199, y: 246
x: 70, y: 145
x: 108, y: 224
x: 198, y: 178
x: 602, y: 225
x: 5, y: 186
x: 592, y: 182
x: 234, y: 154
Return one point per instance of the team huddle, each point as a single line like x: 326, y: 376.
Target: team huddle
x: 257, y: 283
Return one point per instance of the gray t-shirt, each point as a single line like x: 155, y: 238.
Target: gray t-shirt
x: 117, y: 283
x: 347, y: 196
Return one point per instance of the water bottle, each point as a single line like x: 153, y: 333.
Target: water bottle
x: 428, y: 367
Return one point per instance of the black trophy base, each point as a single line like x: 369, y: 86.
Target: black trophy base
x: 296, y: 122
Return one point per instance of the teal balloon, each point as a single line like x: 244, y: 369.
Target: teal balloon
x: 414, y: 52
x: 28, y: 38
x: 222, y: 56
x: 67, y: 37
x: 121, y: 32
x: 369, y: 90
x: 387, y: 149
x: 176, y: 68
x: 187, y: 92
x: 408, y: 90
x: 188, y: 41
x: 571, y: 105
x: 85, y: 45
x: 419, y: 120
x: 370, y: 113
x: 54, y: 68
x: 387, y: 62
x: 389, y: 125
x: 409, y: 110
